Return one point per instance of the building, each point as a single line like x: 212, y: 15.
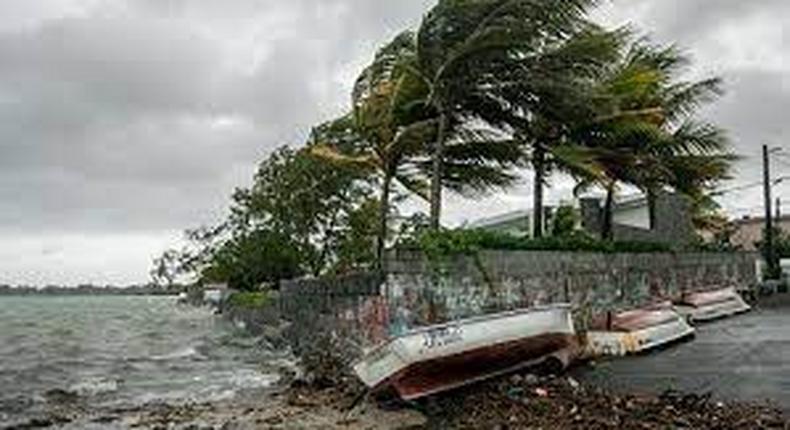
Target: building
x: 748, y: 231
x: 517, y: 223
x: 631, y: 216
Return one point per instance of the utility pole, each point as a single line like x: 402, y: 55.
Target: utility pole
x: 778, y: 208
x: 769, y: 227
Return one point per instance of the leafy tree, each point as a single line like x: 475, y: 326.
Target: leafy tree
x: 299, y: 196
x: 166, y: 268
x: 300, y: 216
x: 249, y: 260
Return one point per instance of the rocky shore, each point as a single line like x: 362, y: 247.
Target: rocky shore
x: 514, y: 402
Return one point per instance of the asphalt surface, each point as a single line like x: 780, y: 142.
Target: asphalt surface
x: 745, y: 358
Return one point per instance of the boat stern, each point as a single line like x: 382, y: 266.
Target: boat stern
x: 705, y: 307
x: 672, y: 327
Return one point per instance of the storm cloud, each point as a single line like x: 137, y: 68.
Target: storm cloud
x: 123, y: 122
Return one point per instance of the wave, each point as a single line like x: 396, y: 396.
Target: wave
x: 188, y: 352
x: 95, y: 386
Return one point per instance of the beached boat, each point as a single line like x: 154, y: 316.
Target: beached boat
x: 439, y: 358
x: 712, y: 305
x: 637, y: 331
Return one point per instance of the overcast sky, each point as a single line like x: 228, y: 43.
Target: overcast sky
x: 122, y: 122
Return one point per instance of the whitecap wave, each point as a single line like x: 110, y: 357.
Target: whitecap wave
x: 188, y: 352
x: 94, y: 386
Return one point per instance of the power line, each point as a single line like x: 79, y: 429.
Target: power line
x: 784, y: 162
x: 736, y: 188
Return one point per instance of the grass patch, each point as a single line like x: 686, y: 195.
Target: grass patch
x: 249, y: 299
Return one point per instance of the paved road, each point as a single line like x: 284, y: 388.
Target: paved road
x: 746, y: 357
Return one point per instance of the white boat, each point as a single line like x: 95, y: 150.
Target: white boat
x: 439, y: 358
x: 637, y: 331
x: 712, y: 305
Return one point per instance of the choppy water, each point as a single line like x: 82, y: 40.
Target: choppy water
x: 119, y: 351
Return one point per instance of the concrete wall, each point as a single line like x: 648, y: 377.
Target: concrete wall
x: 415, y: 292
x: 673, y: 223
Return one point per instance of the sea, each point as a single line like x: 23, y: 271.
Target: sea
x: 116, y: 351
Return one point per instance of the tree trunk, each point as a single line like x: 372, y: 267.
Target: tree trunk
x: 607, y: 232
x: 539, y: 166
x: 436, y: 174
x: 651, y: 207
x: 384, y: 210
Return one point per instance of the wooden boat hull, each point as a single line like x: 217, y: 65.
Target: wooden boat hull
x: 713, y: 305
x: 440, y: 358
x: 638, y: 331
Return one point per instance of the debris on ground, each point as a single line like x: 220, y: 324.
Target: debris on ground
x: 564, y: 403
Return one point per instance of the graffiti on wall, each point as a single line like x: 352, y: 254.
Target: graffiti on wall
x: 373, y: 309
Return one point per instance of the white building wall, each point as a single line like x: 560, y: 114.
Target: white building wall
x: 634, y: 217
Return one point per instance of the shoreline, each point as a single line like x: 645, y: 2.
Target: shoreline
x: 517, y: 401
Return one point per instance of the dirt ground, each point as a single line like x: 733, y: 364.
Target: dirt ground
x: 516, y: 402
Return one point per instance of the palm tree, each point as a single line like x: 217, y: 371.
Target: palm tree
x: 392, y: 123
x: 645, y: 133
x: 463, y: 48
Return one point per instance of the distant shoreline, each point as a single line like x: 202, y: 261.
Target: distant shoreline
x: 16, y: 292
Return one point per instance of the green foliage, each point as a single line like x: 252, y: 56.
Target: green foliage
x: 468, y: 242
x: 355, y: 246
x: 645, y: 133
x: 783, y: 245
x: 565, y: 221
x: 166, y: 269
x: 481, y: 89
x: 781, y: 240
x: 307, y: 200
x: 249, y: 299
x: 300, y: 216
x: 492, y: 63
x: 248, y: 260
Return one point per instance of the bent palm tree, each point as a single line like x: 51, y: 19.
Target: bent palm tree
x: 463, y: 48
x: 393, y: 122
x: 645, y: 134
x: 389, y: 124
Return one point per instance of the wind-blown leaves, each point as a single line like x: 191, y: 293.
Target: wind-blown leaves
x: 645, y: 133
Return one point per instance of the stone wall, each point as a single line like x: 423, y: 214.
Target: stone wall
x: 368, y: 309
x: 354, y: 307
x: 420, y: 292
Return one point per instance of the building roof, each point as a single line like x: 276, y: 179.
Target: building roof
x: 501, y: 218
x: 630, y: 201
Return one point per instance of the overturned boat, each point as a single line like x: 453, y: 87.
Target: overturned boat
x: 443, y: 357
x: 637, y: 331
x: 712, y: 305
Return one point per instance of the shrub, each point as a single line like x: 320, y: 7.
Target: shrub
x: 249, y: 299
x: 467, y: 242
